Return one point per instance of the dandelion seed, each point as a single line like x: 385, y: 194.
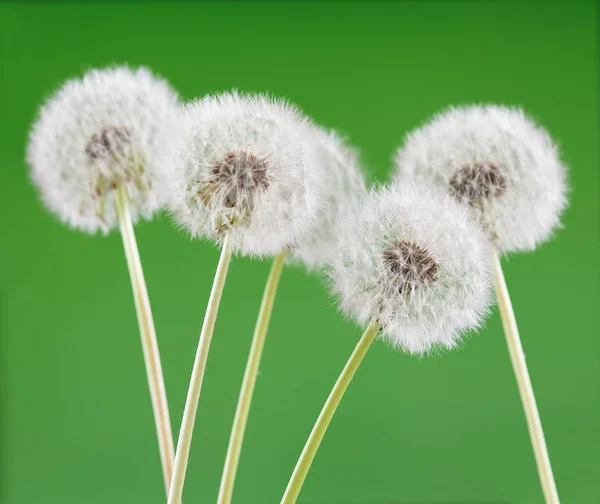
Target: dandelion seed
x: 95, y: 153
x: 411, y: 266
x: 504, y: 167
x: 247, y: 175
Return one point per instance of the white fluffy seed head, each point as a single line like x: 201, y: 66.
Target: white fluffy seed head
x: 108, y: 128
x: 345, y: 181
x: 246, y: 166
x: 497, y: 161
x: 411, y: 258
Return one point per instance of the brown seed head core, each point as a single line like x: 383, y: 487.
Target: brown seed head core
x: 410, y: 265
x: 239, y: 175
x: 477, y: 182
x: 110, y: 142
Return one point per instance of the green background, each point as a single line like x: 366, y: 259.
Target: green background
x: 76, y: 423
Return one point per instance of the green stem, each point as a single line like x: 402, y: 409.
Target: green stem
x: 243, y: 407
x: 320, y: 427
x: 517, y: 357
x: 191, y: 404
x: 156, y: 382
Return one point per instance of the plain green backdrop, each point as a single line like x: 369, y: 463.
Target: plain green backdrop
x: 76, y: 423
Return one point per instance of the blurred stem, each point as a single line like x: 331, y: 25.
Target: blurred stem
x: 149, y: 344
x: 517, y: 357
x: 320, y: 427
x: 243, y: 407
x: 191, y: 404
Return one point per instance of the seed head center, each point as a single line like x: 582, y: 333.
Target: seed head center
x: 477, y: 182
x: 240, y: 175
x: 109, y: 142
x: 409, y: 265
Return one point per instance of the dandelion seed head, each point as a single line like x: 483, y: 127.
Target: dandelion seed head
x: 246, y: 166
x: 497, y: 161
x: 344, y: 181
x: 97, y: 132
x: 413, y: 259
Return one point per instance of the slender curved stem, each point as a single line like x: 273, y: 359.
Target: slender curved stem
x: 517, y: 357
x: 243, y: 407
x: 191, y: 404
x: 156, y: 382
x: 316, y: 436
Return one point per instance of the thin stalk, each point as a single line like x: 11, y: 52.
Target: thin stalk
x: 316, y: 436
x: 156, y: 382
x: 243, y: 406
x: 517, y: 357
x: 191, y: 404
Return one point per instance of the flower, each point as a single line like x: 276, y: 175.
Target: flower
x: 345, y: 180
x: 497, y: 161
x: 105, y: 129
x: 246, y: 166
x: 411, y: 258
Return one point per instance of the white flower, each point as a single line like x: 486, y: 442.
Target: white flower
x: 412, y: 258
x: 105, y: 129
x: 246, y: 166
x: 345, y: 180
x: 498, y: 161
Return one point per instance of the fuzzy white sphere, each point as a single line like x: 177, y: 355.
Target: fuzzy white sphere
x: 497, y: 161
x: 412, y: 258
x: 108, y: 128
x: 247, y: 167
x: 345, y: 181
